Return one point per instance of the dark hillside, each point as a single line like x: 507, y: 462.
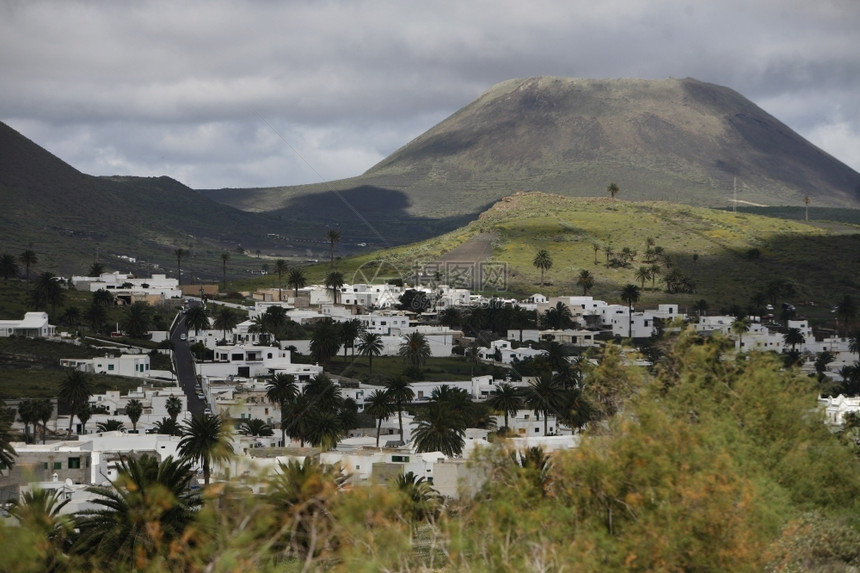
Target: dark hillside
x: 68, y: 217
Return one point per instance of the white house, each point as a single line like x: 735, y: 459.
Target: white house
x: 370, y: 295
x: 836, y: 408
x: 249, y: 361
x: 503, y: 350
x: 120, y: 284
x: 135, y: 365
x: 33, y: 325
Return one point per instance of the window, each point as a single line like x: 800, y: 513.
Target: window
x: 45, y: 466
x: 110, y: 367
x: 400, y: 459
x: 58, y: 465
x: 74, y: 463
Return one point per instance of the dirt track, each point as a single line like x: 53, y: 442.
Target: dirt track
x: 475, y: 250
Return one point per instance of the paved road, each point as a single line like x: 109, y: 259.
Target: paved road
x: 185, y: 368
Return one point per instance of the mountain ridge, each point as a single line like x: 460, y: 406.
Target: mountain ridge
x: 680, y: 140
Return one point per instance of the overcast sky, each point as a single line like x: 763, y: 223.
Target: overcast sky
x: 245, y: 94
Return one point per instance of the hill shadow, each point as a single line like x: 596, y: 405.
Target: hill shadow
x: 375, y: 216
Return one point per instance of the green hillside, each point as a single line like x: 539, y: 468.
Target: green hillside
x: 729, y: 257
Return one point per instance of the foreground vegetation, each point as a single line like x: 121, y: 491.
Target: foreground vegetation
x: 715, y: 462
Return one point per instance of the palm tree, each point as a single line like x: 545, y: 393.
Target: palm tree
x: 415, y: 349
x: 96, y: 269
x: 558, y: 317
x: 325, y: 341
x: 280, y: 390
x: 206, y: 440
x: 545, y: 396
x: 370, y: 344
x: 806, y: 201
x: 225, y: 319
x: 846, y: 312
x: 255, y: 427
x: 333, y: 236
x: 472, y: 354
x: 137, y: 320
x: 111, y: 425
x: 794, y: 337
x: 323, y: 429
x: 75, y: 391
x: 380, y: 406
x: 506, y: 398
x: 542, y: 261
x: 134, y: 409
x: 296, y: 279
x: 272, y: 323
x: 139, y: 516
x: 298, y: 411
x: 44, y: 413
x: 349, y: 331
x: 439, y: 429
x: 585, y: 280
x: 7, y: 452
x: 8, y: 266
x: 630, y: 295
x: 334, y: 282
x: 643, y: 273
x: 302, y: 494
x: 324, y: 394
x: 612, y: 189
x: 167, y: 426
x: 179, y: 253
x: 173, y: 405
x: 609, y: 252
x: 401, y: 394
x: 627, y: 255
x: 103, y: 298
x: 854, y: 343
x: 29, y: 414
x: 28, y: 258
x: 421, y: 501
x: 38, y: 511
x: 596, y: 248
x: 47, y: 292
x: 225, y: 256
x: 556, y: 357
x: 197, y: 319
x: 740, y: 326
x: 84, y: 414
x: 281, y: 267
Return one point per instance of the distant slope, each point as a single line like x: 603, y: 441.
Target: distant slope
x: 684, y: 141
x: 68, y: 217
x: 728, y: 257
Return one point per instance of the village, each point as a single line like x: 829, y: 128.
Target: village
x: 235, y: 383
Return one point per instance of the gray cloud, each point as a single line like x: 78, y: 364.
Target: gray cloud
x: 205, y: 91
